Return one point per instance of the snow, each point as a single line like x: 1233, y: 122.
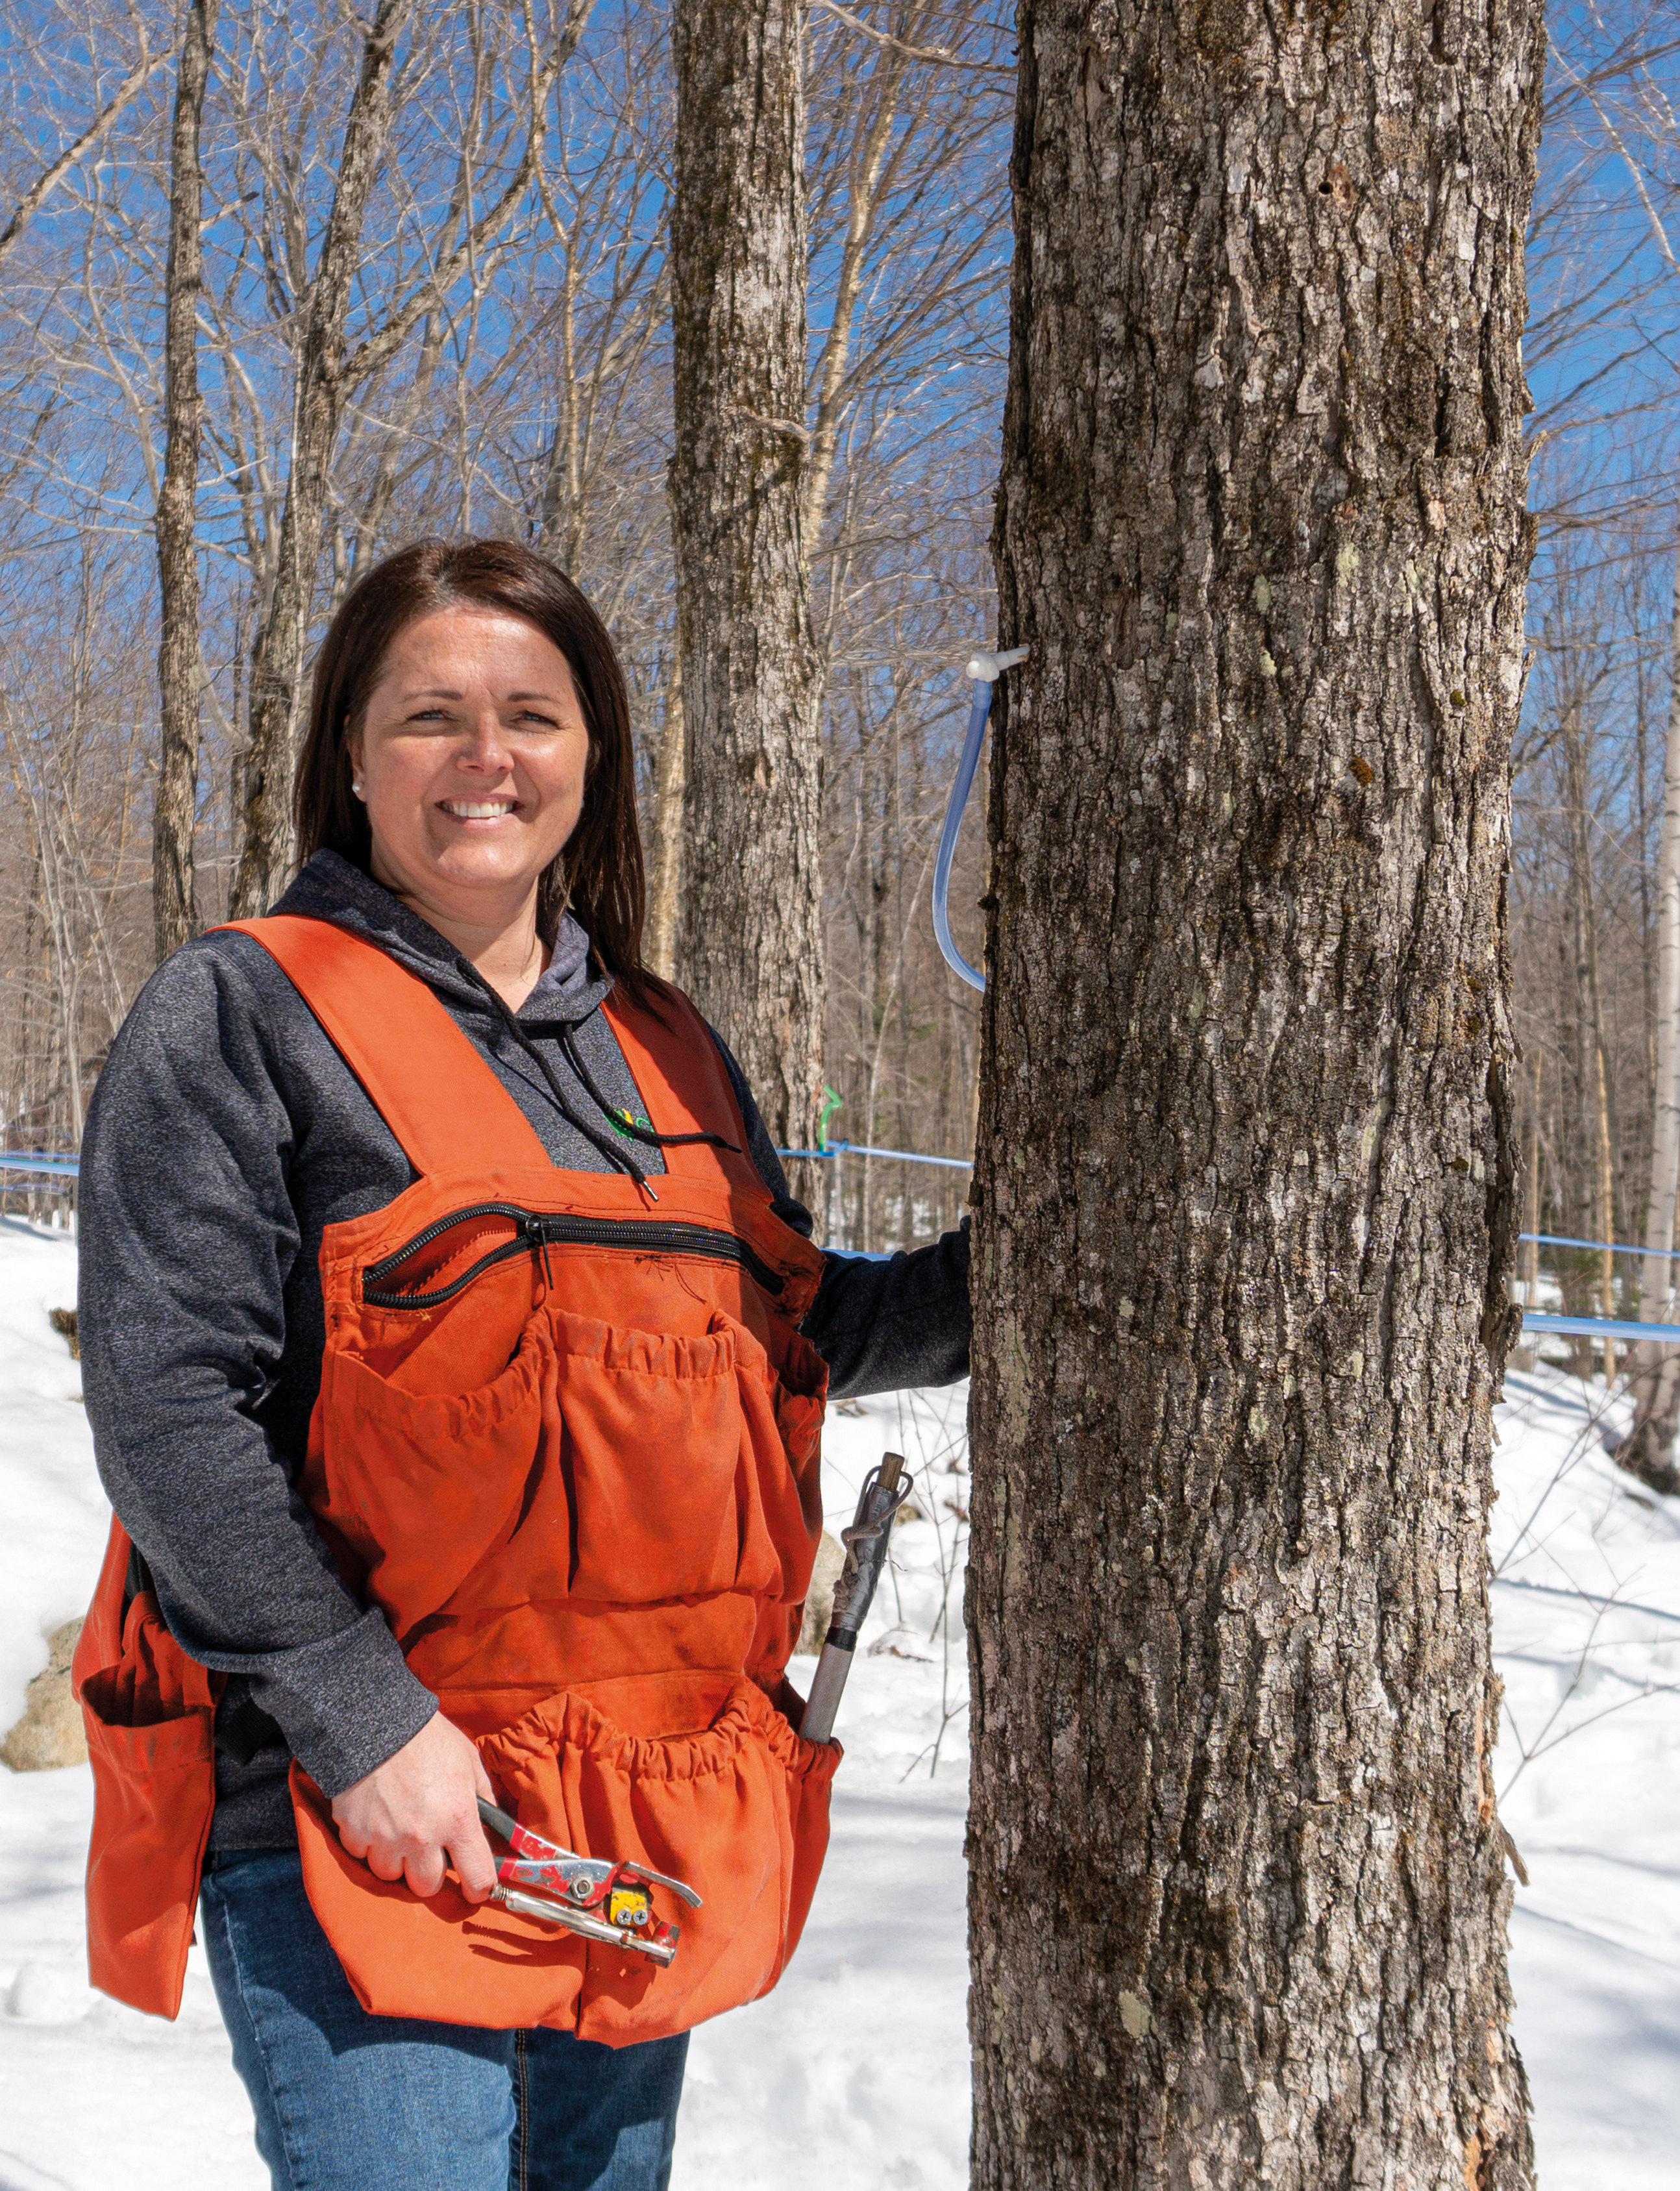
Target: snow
x: 56, y: 1514
x: 856, y: 2068
x: 1591, y: 1697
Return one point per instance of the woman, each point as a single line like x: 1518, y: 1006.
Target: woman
x: 456, y: 1357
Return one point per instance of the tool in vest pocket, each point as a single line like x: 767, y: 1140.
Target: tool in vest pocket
x: 866, y: 1549
x: 601, y: 1897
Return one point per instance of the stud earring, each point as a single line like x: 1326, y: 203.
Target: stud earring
x: 356, y: 786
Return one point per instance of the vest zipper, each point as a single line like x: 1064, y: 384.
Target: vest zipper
x: 537, y: 1231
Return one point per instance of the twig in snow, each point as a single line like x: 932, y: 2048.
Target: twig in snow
x: 1580, y: 1446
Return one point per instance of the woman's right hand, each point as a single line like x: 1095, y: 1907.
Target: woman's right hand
x: 411, y: 1816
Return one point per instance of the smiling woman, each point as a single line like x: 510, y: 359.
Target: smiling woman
x: 456, y: 1360
x: 461, y: 677
x: 471, y: 759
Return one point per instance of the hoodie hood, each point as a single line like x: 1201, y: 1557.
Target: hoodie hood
x: 329, y: 888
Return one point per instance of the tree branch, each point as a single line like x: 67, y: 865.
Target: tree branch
x: 33, y: 198
x: 941, y: 56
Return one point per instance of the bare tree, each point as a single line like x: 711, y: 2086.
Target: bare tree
x: 534, y: 397
x: 74, y: 699
x: 175, y: 811
x: 1246, y: 1156
x: 1626, y: 105
x: 752, y: 926
x: 1649, y: 1450
x: 1592, y: 1041
x: 328, y: 368
x: 146, y: 67
x: 664, y: 895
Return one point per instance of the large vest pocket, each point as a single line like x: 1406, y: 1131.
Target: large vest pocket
x: 739, y: 1810
x: 607, y: 1465
x: 780, y: 1493
x: 148, y: 1710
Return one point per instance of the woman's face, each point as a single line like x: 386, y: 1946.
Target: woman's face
x: 471, y: 759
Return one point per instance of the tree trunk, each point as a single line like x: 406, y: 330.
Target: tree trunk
x: 1246, y: 1172
x: 1535, y: 1201
x: 664, y: 899
x: 1578, y: 1132
x: 1523, y: 1357
x: 1649, y: 1450
x: 174, y: 900
x: 1590, y: 1021
x: 1607, y: 1262
x: 752, y: 936
x: 277, y: 660
x: 868, y: 159
x: 328, y: 370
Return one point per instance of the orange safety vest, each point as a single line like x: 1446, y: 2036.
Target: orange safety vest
x: 568, y: 1439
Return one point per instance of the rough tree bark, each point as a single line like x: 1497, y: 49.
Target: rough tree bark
x: 751, y: 949
x: 174, y: 900
x: 1246, y: 1156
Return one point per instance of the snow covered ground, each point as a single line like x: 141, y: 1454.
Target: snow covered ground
x: 856, y: 2069
x: 1589, y: 1778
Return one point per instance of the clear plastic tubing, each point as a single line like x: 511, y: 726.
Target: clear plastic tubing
x: 985, y: 670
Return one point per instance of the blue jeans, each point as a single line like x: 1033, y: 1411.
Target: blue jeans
x: 349, y: 2102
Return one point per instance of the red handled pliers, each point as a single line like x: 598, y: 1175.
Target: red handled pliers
x: 601, y: 1899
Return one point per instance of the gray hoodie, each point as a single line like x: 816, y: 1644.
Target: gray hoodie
x: 226, y: 1134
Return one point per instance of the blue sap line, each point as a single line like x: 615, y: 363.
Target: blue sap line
x: 864, y: 1149
x: 1600, y: 1327
x: 1615, y: 1246
x: 979, y: 709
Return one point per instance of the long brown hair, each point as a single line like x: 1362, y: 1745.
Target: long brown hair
x: 599, y: 874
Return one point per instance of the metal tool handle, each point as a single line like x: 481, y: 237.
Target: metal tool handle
x: 867, y: 1542
x: 579, y: 1920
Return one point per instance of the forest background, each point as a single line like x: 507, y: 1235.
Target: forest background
x: 507, y: 316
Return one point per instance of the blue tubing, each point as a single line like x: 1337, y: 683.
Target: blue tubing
x: 867, y: 1149
x: 1615, y: 1246
x: 1600, y: 1327
x: 947, y: 842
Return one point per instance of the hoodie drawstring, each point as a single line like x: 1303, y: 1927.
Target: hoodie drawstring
x: 623, y: 1119
x: 616, y: 1156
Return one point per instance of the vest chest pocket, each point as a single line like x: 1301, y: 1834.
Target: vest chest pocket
x: 692, y: 1466
x: 650, y: 1430
x: 424, y: 1489
x: 605, y: 1465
